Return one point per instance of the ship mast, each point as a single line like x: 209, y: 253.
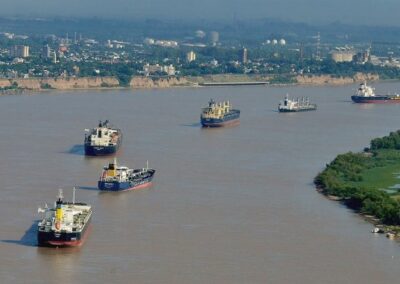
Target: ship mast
x: 60, y: 194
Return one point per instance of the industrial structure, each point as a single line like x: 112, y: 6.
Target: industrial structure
x: 343, y: 54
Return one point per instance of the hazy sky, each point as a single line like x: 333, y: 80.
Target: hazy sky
x: 370, y: 12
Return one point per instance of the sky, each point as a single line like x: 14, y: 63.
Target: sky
x: 355, y: 12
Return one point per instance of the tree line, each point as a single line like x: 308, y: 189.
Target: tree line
x: 344, y: 175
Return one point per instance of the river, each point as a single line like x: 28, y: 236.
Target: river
x: 229, y: 205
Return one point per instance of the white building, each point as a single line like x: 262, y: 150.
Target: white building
x: 190, y: 56
x: 152, y: 69
x: 159, y: 42
x: 148, y: 41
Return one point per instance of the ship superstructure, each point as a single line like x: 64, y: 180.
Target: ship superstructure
x: 366, y: 94
x: 65, y: 224
x: 119, y: 178
x: 296, y: 105
x: 219, y: 114
x: 102, y: 140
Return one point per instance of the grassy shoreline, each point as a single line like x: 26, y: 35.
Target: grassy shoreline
x: 368, y: 182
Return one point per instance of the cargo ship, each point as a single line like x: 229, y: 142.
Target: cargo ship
x: 64, y: 225
x: 120, y: 178
x: 366, y: 94
x: 296, y: 105
x: 219, y: 114
x: 102, y: 140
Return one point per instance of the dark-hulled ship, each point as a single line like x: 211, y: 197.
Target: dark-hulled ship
x: 296, y: 105
x: 219, y: 114
x: 102, y: 140
x: 64, y: 225
x: 366, y: 94
x: 120, y: 178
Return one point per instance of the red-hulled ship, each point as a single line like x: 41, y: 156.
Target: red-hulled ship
x: 66, y: 224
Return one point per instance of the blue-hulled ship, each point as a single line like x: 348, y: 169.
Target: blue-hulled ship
x: 366, y: 94
x: 120, y: 178
x: 219, y: 114
x: 66, y: 224
x: 102, y: 140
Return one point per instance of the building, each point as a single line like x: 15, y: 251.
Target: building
x: 46, y: 52
x: 190, y: 56
x: 170, y: 70
x: 19, y: 51
x: 362, y: 57
x: 166, y: 43
x: 109, y: 44
x: 149, y: 41
x: 158, y: 42
x: 343, y: 55
x: 154, y: 69
x: 54, y: 59
x: 244, y: 55
x: 214, y: 37
x: 200, y: 34
x: 62, y: 48
x: 214, y: 63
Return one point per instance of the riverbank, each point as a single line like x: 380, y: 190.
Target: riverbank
x: 140, y: 82
x: 391, y: 232
x: 368, y: 183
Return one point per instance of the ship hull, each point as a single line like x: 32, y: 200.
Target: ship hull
x: 126, y: 185
x: 100, y: 150
x: 229, y: 119
x: 63, y: 239
x: 96, y: 150
x: 375, y: 100
x: 297, y: 110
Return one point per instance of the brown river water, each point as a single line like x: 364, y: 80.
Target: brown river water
x: 228, y: 205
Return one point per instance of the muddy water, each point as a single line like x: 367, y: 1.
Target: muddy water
x: 232, y: 205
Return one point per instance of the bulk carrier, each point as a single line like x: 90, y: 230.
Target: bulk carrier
x: 296, y: 105
x: 219, y: 114
x: 66, y: 224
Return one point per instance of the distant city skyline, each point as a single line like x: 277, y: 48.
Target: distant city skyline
x: 355, y: 12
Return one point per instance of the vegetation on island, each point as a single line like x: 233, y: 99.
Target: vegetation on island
x: 367, y: 182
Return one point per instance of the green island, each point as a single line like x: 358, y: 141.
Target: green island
x: 368, y: 182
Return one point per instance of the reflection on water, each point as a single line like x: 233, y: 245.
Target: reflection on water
x: 197, y: 124
x: 366, y: 106
x: 61, y: 262
x: 77, y: 150
x: 28, y: 238
x: 87, y: 187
